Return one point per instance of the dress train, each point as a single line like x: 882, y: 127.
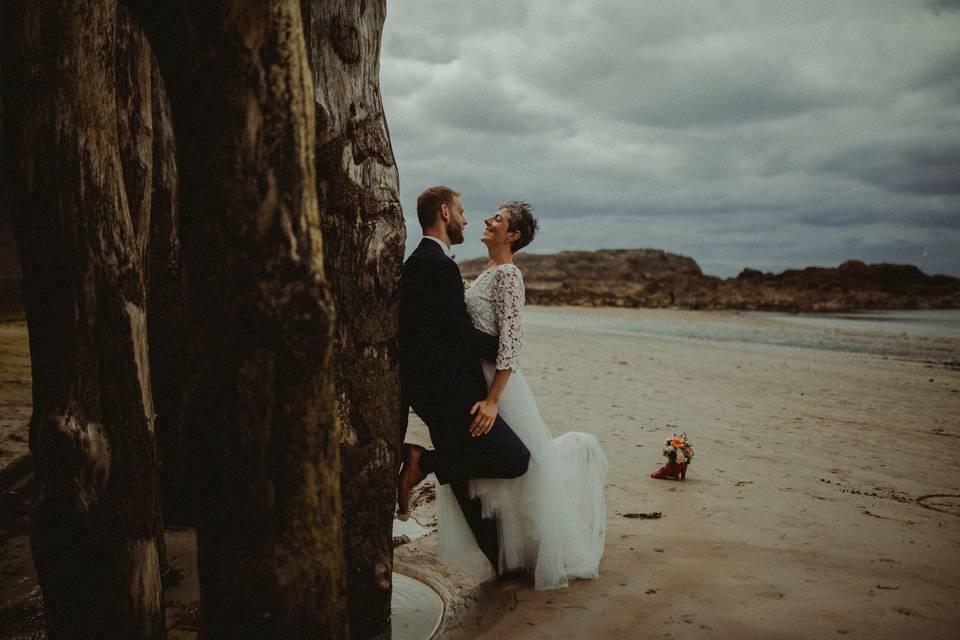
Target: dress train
x: 551, y: 521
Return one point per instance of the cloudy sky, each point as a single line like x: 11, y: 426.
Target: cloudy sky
x: 763, y: 133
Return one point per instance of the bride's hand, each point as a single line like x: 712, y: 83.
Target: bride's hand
x: 485, y: 412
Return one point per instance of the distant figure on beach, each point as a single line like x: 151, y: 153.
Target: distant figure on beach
x: 440, y: 352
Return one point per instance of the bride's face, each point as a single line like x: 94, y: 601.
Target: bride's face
x: 496, y: 230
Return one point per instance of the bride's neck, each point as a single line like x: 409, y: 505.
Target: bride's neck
x: 498, y: 256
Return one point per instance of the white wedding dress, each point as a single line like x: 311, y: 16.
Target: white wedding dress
x: 552, y: 519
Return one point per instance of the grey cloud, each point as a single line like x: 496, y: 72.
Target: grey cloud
x: 862, y: 218
x: 944, y: 5
x: 838, y: 218
x: 670, y: 93
x: 772, y: 134
x: 411, y: 44
x: 944, y: 220
x: 931, y: 167
x: 477, y: 104
x: 941, y: 76
x: 434, y: 31
x: 689, y: 74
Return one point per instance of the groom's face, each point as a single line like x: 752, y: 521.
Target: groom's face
x: 457, y: 222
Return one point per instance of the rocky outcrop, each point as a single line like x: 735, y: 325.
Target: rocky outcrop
x: 657, y: 279
x: 592, y: 266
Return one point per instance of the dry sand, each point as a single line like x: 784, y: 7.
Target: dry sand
x: 803, y: 515
x: 15, y: 395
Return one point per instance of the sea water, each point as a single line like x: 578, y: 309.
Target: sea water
x: 930, y: 324
x: 929, y: 336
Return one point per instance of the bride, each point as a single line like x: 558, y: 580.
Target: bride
x: 551, y: 520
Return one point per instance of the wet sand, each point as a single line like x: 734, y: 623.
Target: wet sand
x: 824, y: 499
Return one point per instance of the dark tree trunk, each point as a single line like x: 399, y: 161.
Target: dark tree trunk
x: 164, y: 309
x: 149, y: 169
x: 257, y: 372
x: 98, y: 235
x: 11, y: 279
x: 80, y: 236
x: 363, y: 233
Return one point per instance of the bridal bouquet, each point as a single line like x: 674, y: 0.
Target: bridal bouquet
x: 678, y: 449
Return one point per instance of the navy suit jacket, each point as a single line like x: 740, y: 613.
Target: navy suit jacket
x: 440, y: 349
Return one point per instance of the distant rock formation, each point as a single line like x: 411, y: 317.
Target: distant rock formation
x: 605, y: 264
x: 657, y: 279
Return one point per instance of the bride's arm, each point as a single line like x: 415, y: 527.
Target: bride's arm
x: 486, y: 410
x: 508, y: 301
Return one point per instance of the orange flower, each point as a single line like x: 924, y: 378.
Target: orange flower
x: 676, y: 442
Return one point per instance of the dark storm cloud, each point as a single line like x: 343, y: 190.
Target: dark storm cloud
x: 942, y: 77
x: 928, y: 168
x: 862, y: 218
x: 945, y: 5
x: 472, y: 102
x: 705, y: 84
x: 771, y: 134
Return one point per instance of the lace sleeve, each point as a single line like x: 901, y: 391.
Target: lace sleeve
x: 508, y: 298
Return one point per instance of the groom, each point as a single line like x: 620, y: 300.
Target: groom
x: 440, y: 352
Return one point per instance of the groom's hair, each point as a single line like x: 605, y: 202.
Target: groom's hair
x: 429, y: 202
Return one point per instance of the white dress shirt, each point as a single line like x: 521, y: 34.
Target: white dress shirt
x: 446, y: 250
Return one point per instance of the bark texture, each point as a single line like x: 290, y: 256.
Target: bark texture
x: 81, y: 224
x: 257, y: 368
x: 363, y: 233
x: 164, y: 284
x: 145, y: 134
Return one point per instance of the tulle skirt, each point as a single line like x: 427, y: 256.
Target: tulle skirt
x: 551, y: 520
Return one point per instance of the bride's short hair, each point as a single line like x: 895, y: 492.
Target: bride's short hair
x: 429, y: 202
x: 522, y: 220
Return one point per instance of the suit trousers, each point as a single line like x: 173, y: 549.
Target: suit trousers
x: 458, y: 457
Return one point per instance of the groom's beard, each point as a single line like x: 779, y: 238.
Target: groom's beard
x: 454, y: 232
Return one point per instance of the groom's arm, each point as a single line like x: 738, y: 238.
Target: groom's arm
x: 480, y: 344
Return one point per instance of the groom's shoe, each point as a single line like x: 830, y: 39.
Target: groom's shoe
x: 410, y: 476
x: 513, y: 574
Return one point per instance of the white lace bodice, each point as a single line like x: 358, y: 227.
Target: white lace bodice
x: 494, y: 301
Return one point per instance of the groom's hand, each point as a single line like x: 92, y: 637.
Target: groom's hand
x: 485, y: 412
